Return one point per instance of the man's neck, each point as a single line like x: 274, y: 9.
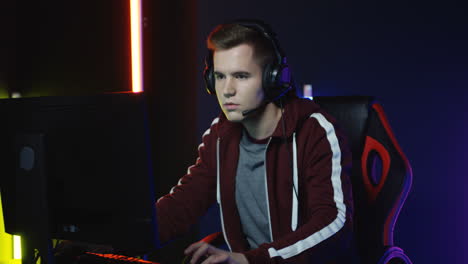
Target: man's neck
x: 262, y: 124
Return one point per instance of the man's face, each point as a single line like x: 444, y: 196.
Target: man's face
x: 238, y: 81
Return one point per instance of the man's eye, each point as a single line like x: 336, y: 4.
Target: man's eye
x: 219, y: 76
x: 242, y: 76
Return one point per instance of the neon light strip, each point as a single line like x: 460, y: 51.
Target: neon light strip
x: 136, y: 46
x: 16, y: 247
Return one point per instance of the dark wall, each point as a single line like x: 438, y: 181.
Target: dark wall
x: 170, y: 80
x: 412, y: 56
x: 64, y: 48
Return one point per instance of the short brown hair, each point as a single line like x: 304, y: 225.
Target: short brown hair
x: 226, y: 36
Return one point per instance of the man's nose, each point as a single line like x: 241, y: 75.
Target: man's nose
x: 229, y: 89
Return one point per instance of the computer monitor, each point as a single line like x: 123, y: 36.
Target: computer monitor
x: 79, y: 168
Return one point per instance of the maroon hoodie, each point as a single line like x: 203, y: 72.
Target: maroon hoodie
x: 311, y: 225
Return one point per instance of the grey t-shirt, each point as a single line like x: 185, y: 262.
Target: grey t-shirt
x: 251, y: 191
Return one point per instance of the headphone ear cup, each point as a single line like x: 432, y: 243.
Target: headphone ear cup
x: 276, y: 81
x: 208, y: 75
x: 267, y: 84
x: 272, y: 81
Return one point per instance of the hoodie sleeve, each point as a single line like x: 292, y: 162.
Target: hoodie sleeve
x: 193, y: 195
x: 325, y: 200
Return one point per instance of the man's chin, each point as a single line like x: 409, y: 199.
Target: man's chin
x: 234, y: 117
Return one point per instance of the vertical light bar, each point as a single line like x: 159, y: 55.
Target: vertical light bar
x: 136, y: 45
x: 16, y: 247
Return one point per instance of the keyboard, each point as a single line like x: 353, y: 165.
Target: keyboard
x: 96, y: 258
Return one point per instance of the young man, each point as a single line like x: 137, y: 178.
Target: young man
x: 275, y: 164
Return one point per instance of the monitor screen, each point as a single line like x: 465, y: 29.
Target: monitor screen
x: 79, y: 168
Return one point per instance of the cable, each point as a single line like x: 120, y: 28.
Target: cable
x: 285, y: 141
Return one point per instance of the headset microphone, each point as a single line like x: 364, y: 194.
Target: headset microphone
x: 248, y: 112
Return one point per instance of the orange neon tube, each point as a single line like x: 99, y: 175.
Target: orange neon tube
x: 136, y: 45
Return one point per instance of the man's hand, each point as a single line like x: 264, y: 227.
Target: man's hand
x: 213, y: 255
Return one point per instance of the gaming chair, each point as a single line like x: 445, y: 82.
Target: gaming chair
x: 381, y: 175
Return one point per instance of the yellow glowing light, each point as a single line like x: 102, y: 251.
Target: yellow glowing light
x: 136, y: 45
x: 16, y: 247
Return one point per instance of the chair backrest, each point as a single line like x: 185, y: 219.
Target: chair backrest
x: 381, y: 175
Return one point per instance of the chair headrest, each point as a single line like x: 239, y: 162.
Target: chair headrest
x: 352, y: 113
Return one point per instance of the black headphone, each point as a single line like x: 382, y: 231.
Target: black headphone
x: 276, y: 79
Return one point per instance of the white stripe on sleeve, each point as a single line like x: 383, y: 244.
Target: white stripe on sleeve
x: 295, y: 191
x: 340, y: 219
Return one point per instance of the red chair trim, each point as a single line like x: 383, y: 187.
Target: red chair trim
x: 391, y: 219
x: 373, y: 190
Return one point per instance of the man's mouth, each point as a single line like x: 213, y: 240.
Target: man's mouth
x: 231, y: 106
